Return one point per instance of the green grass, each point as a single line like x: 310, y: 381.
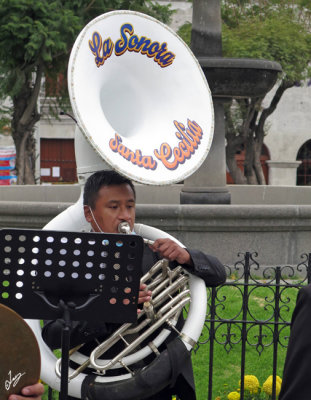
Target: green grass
x: 227, y: 362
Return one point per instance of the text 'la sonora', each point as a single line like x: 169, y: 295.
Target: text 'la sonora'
x: 129, y: 41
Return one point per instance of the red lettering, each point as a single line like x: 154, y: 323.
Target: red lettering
x: 136, y: 158
x: 189, y: 141
x: 114, y: 143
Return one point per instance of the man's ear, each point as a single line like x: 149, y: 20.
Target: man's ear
x: 87, y: 214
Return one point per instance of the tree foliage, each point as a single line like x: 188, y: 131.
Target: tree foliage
x: 272, y: 30
x: 277, y: 30
x: 36, y: 37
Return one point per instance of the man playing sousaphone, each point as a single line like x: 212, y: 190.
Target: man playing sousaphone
x: 110, y: 199
x: 143, y: 103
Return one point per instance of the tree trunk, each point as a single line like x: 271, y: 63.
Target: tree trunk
x: 249, y: 161
x: 260, y: 177
x: 259, y: 133
x: 234, y: 144
x: 25, y: 116
x: 23, y: 137
x: 235, y: 172
x: 248, y: 132
x: 25, y: 160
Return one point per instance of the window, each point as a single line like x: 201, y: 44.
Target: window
x: 304, y: 169
x: 58, y: 164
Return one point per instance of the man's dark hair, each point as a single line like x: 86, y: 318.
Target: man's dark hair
x: 99, y: 179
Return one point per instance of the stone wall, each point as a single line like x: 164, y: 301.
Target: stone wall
x: 279, y: 234
x: 273, y: 221
x: 147, y: 194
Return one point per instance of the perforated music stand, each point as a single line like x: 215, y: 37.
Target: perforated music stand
x: 70, y: 275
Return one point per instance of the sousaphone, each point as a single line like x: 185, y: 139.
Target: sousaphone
x: 143, y: 107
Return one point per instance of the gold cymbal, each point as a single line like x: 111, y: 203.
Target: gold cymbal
x: 19, y: 354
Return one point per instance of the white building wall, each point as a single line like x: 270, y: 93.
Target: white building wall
x: 288, y: 128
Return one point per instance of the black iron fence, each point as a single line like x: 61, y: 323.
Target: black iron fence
x: 249, y: 324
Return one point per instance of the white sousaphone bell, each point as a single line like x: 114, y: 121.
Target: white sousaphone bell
x: 143, y: 108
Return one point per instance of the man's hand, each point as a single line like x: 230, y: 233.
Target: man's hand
x: 143, y: 295
x: 33, y: 392
x: 170, y: 250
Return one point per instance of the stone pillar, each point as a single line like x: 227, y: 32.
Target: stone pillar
x: 206, y: 28
x: 283, y: 173
x: 208, y: 184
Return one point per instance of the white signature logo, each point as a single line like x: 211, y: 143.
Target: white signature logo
x: 13, y: 380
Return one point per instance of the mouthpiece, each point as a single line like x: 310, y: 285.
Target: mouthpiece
x: 124, y: 227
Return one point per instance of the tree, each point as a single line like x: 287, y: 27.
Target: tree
x: 35, y: 39
x: 277, y: 30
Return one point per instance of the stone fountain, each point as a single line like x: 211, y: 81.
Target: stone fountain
x: 228, y: 78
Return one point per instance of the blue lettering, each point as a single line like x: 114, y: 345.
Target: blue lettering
x: 121, y: 44
x: 97, y: 47
x: 128, y: 41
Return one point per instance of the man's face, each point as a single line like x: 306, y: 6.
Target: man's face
x: 114, y: 204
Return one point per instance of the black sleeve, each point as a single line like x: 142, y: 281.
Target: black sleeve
x: 207, y: 267
x: 81, y: 332
x: 296, y: 375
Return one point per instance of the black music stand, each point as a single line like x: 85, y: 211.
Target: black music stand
x: 70, y: 275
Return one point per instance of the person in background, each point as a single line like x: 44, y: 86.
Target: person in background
x: 296, y: 375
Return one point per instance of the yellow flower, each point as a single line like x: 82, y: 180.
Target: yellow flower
x: 218, y: 398
x: 267, y: 386
x: 233, y: 396
x: 251, y: 384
